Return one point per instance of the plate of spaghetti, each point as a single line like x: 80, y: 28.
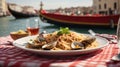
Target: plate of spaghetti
x: 61, y: 42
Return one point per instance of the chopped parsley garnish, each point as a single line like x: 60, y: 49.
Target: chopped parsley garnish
x: 63, y: 31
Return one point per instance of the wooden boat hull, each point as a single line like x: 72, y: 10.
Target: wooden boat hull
x: 108, y: 21
x: 20, y: 14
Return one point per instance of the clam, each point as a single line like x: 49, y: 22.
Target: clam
x: 31, y: 42
x: 77, y: 46
x: 33, y: 45
x: 83, y: 44
x: 40, y: 39
x: 49, y: 45
x: 41, y: 36
x: 43, y: 32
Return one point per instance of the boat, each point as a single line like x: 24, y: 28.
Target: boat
x: 21, y: 12
x: 85, y: 20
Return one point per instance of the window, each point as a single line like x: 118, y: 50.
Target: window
x: 99, y: 6
x: 105, y: 5
x: 115, y: 5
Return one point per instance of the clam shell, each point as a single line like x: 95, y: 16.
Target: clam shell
x: 49, y: 45
x: 77, y: 46
x: 83, y: 44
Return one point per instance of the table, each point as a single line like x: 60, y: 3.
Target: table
x: 11, y: 56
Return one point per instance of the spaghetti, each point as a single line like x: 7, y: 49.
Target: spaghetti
x: 53, y: 41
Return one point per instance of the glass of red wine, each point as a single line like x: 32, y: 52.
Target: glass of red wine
x: 32, y: 26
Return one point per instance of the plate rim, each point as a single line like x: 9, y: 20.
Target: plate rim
x: 60, y: 51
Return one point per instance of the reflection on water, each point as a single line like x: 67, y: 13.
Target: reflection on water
x: 8, y: 24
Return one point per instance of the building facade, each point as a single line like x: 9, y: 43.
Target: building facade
x: 3, y: 7
x: 107, y: 7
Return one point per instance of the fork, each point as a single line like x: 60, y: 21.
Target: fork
x: 111, y: 39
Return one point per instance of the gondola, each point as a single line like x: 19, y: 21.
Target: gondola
x: 73, y: 20
x: 20, y: 14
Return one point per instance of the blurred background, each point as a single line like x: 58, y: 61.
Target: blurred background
x: 9, y: 22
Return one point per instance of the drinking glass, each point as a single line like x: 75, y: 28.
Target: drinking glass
x: 32, y: 26
x: 117, y: 57
x: 118, y: 33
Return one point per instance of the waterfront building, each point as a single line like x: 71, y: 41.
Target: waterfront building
x: 3, y: 7
x: 29, y: 9
x: 106, y: 7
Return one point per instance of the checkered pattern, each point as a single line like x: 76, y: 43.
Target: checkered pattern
x: 11, y: 56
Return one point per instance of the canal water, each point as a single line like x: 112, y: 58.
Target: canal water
x: 9, y: 24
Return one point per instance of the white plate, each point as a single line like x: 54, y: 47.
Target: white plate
x: 20, y: 44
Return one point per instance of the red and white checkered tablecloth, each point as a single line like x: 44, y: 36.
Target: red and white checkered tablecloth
x: 11, y: 56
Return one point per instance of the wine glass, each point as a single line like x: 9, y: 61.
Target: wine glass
x: 118, y: 33
x: 32, y: 26
x: 117, y: 57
